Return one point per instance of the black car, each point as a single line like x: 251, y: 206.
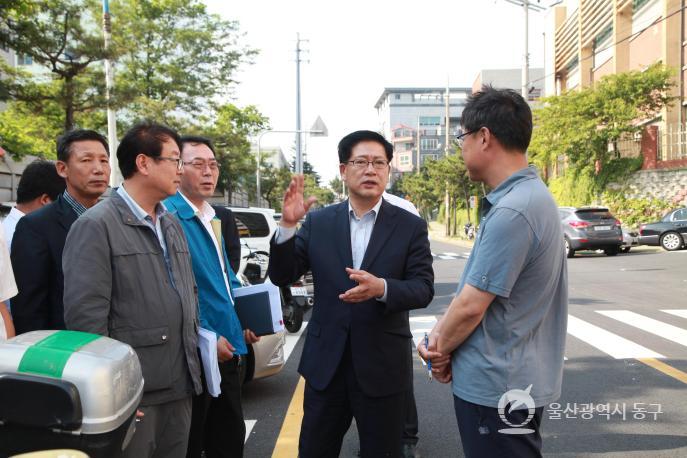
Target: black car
x: 670, y: 232
x: 590, y: 228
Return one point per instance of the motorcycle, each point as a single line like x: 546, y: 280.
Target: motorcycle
x: 469, y: 229
x: 295, y: 298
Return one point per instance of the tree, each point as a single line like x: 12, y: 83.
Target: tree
x: 336, y: 185
x: 173, y: 61
x: 62, y: 36
x: 585, y: 126
x: 229, y: 130
x: 183, y: 60
x: 273, y: 184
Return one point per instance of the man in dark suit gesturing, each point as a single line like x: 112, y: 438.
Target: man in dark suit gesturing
x: 371, y: 263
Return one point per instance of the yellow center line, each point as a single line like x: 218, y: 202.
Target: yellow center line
x: 665, y: 368
x: 287, y: 442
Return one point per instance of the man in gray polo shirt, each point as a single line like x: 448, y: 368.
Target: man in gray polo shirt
x: 501, y: 341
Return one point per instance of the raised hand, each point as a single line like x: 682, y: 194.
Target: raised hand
x: 295, y: 207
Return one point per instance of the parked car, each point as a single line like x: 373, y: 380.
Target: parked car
x: 256, y: 226
x: 670, y: 233
x: 590, y: 228
x: 630, y: 239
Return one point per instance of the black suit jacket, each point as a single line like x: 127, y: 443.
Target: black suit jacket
x: 398, y: 252
x: 230, y: 233
x: 37, y: 263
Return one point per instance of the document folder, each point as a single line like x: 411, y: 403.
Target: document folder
x: 207, y: 342
x: 259, y: 308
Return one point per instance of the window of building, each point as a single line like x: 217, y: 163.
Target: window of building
x: 429, y: 143
x: 430, y: 120
x: 645, y: 13
x: 404, y: 159
x: 397, y: 96
x: 430, y: 157
x: 603, y: 46
x: 573, y: 74
x: 23, y: 59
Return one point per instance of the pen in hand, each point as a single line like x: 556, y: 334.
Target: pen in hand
x: 429, y: 362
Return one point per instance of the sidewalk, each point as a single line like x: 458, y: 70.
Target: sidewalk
x: 437, y: 231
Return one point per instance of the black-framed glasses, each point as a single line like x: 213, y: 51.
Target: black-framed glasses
x: 200, y: 164
x: 378, y: 164
x: 461, y: 138
x: 180, y: 164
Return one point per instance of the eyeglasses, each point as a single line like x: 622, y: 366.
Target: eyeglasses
x: 461, y: 138
x: 200, y: 164
x: 378, y: 164
x: 180, y: 164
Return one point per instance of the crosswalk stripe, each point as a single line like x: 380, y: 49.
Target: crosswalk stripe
x: 448, y: 253
x: 682, y: 313
x: 609, y: 343
x: 249, y: 427
x: 446, y: 257
x: 665, y: 330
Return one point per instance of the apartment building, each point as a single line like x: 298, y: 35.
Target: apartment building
x: 416, y: 116
x: 594, y: 38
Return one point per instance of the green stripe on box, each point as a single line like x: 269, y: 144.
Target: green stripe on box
x: 50, y: 355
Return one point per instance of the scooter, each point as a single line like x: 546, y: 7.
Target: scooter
x: 469, y: 231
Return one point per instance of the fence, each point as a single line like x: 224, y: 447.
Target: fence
x: 672, y: 142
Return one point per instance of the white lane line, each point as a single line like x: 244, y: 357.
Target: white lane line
x: 659, y: 328
x: 609, y: 343
x: 446, y: 257
x: 291, y: 341
x: 433, y: 254
x: 682, y: 313
x: 448, y: 253
x: 249, y: 427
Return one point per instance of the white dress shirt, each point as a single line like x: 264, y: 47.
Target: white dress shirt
x: 9, y: 224
x: 361, y: 231
x: 206, y: 214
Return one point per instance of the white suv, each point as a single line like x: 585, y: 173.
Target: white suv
x: 256, y: 227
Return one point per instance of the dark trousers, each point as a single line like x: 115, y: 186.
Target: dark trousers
x: 217, y: 424
x: 479, y: 431
x: 410, y: 426
x: 162, y: 432
x: 327, y: 415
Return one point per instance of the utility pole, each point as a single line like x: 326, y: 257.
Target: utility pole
x: 299, y: 146
x: 418, y: 146
x: 448, y: 119
x: 526, y: 6
x: 115, y: 176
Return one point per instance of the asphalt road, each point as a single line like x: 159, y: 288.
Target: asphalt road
x: 626, y: 348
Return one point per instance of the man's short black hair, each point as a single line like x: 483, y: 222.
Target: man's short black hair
x: 146, y: 138
x: 196, y: 140
x: 39, y: 177
x: 347, y: 144
x: 504, y: 112
x: 64, y: 141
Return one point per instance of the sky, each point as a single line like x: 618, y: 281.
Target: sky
x: 357, y: 48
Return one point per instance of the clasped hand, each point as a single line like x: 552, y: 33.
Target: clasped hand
x: 441, y: 364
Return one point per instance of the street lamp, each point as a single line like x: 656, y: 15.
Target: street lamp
x: 318, y: 130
